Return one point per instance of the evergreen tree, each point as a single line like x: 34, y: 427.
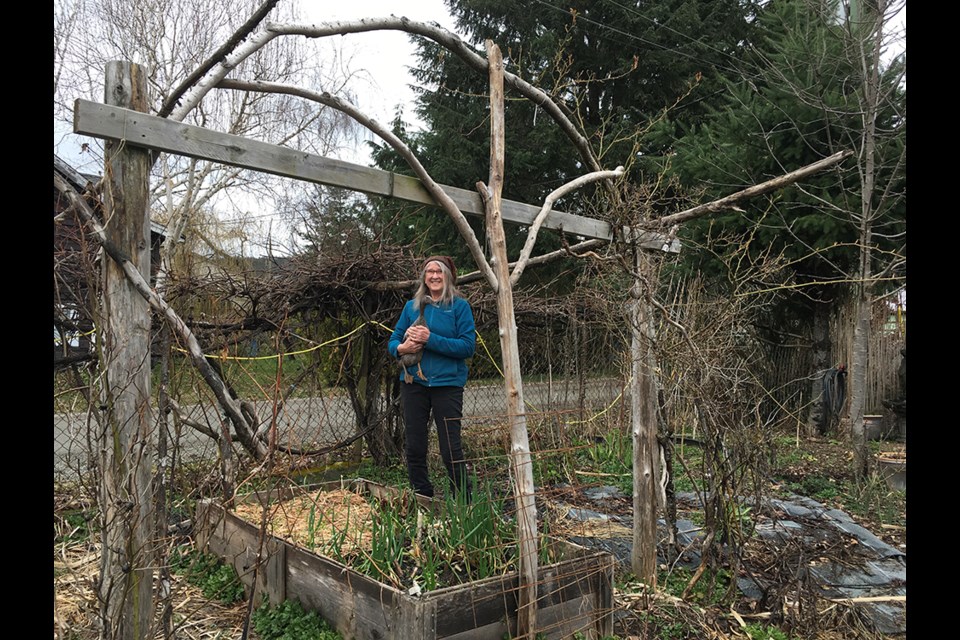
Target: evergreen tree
x: 333, y: 221
x: 804, y: 94
x: 793, y: 104
x: 613, y: 66
x: 425, y: 230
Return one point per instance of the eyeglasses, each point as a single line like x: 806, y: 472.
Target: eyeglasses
x: 435, y: 271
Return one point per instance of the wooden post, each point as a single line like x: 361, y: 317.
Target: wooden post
x: 126, y: 566
x: 643, y: 410
x: 521, y: 465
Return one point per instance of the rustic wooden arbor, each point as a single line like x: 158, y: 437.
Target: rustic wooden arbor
x: 131, y: 129
x: 159, y: 134
x: 138, y: 133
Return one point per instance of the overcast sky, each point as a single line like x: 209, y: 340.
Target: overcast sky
x: 385, y: 57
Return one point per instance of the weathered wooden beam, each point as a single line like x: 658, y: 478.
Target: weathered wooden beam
x: 160, y: 134
x: 125, y: 438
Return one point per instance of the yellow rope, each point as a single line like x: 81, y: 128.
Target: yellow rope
x: 73, y: 336
x: 497, y: 367
x: 382, y: 326
x: 595, y: 416
x: 290, y: 353
x: 532, y: 406
x: 489, y: 355
x: 483, y: 344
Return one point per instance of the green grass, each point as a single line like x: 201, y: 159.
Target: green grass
x: 394, y: 475
x: 668, y: 624
x: 757, y: 631
x: 829, y: 481
x: 610, y: 454
x: 685, y: 484
x: 691, y: 456
x: 788, y: 454
x: 72, y: 526
x: 816, y: 486
x: 455, y: 543
x: 256, y: 379
x: 874, y: 499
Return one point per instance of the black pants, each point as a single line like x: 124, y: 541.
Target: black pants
x: 446, y: 403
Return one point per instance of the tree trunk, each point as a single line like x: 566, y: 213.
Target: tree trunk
x: 643, y: 406
x: 581, y: 345
x: 858, y: 386
x: 872, y: 21
x: 818, y: 418
x: 665, y: 441
x: 126, y: 500
x: 521, y: 464
x: 164, y: 580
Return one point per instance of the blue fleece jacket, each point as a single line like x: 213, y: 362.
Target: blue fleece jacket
x: 452, y: 340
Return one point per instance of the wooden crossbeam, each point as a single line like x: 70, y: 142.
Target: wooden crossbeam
x: 160, y: 134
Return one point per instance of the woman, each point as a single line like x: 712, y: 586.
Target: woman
x: 438, y: 325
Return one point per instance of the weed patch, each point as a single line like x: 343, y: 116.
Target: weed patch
x: 818, y: 487
x: 288, y: 621
x: 764, y: 632
x: 709, y: 590
x: 668, y: 624
x: 872, y: 498
x: 217, y: 580
x: 72, y: 526
x: 395, y: 540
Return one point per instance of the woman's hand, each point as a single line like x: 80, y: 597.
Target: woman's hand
x: 418, y: 333
x: 409, y: 346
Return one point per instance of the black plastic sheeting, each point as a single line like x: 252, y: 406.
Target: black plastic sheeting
x: 880, y: 571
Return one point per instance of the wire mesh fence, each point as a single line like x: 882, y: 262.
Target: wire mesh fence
x: 287, y: 394
x: 571, y: 381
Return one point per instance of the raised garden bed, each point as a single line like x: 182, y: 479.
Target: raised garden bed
x: 574, y: 586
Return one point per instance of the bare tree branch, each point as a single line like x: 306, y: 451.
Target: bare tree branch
x: 731, y: 201
x: 241, y: 34
x: 441, y: 197
x: 547, y: 207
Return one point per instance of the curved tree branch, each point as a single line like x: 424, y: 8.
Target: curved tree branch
x: 241, y: 34
x: 441, y: 197
x: 457, y: 46
x: 547, y: 207
x: 433, y: 31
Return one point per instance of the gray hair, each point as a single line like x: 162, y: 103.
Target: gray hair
x: 449, y: 289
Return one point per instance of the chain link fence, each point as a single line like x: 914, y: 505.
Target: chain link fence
x: 313, y: 413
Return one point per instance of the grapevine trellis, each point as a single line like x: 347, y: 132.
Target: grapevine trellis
x: 133, y: 136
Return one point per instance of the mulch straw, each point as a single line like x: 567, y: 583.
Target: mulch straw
x: 76, y: 608
x: 337, y: 514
